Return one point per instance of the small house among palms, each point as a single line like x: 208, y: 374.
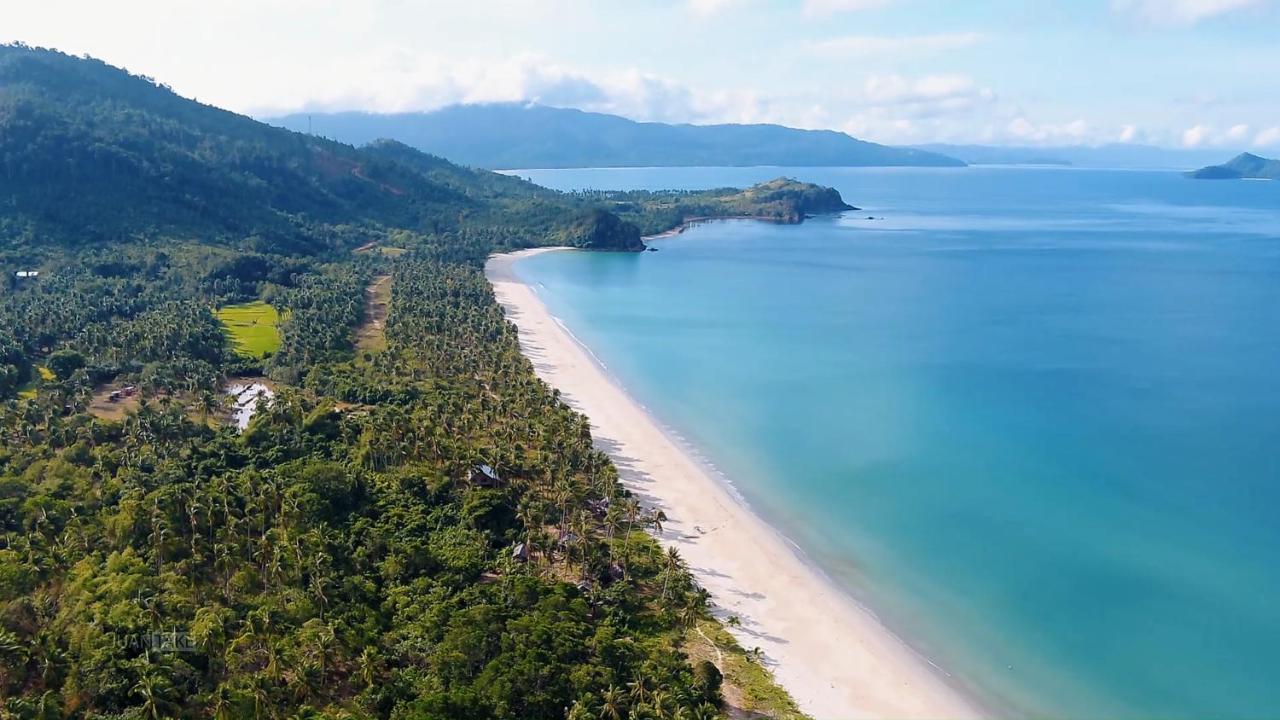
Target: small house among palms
x: 484, y: 476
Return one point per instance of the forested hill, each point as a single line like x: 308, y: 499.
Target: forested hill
x: 1241, y: 167
x: 783, y: 200
x: 517, y: 135
x: 414, y: 528
x: 91, y: 153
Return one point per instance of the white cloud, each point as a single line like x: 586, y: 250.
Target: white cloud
x: 1237, y: 133
x: 827, y: 7
x: 931, y: 92
x: 707, y: 8
x: 1182, y: 12
x: 1128, y: 133
x: 1234, y: 137
x: 1023, y: 130
x: 903, y: 110
x: 811, y: 8
x: 1195, y: 136
x: 855, y: 47
x: 411, y: 83
x: 1268, y: 138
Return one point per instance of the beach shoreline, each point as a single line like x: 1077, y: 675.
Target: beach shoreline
x: 832, y: 654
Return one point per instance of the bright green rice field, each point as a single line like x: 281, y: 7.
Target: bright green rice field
x: 253, y: 328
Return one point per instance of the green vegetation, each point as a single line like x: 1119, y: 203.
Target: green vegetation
x: 340, y: 563
x: 252, y: 327
x: 782, y: 200
x: 340, y: 558
x: 146, y: 165
x: 749, y: 686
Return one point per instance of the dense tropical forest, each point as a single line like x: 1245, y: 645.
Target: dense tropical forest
x: 412, y: 527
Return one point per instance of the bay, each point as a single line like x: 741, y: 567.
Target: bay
x: 1030, y: 416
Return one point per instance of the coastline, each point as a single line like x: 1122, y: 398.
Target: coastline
x: 833, y: 655
x: 690, y: 222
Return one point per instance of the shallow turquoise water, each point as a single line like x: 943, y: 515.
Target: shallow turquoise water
x: 1032, y: 417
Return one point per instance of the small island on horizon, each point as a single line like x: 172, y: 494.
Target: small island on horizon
x: 1245, y: 166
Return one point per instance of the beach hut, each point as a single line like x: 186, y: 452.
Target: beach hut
x: 599, y: 508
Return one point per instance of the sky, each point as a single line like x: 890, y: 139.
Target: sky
x: 1176, y: 73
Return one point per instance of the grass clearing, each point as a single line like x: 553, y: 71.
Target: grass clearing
x: 103, y: 408
x: 749, y: 689
x: 391, y: 252
x: 27, y: 390
x: 371, y: 336
x: 254, y: 328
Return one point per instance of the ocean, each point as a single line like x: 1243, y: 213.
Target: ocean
x: 1029, y: 416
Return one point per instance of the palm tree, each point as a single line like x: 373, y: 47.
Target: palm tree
x: 673, y: 564
x: 612, y: 703
x: 151, y: 688
x: 705, y: 711
x: 639, y: 689
x: 631, y: 510
x: 656, y: 518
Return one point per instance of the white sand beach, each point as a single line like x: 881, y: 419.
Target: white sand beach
x: 832, y: 655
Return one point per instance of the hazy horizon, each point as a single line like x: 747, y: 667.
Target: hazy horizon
x: 1224, y: 151
x: 1174, y: 74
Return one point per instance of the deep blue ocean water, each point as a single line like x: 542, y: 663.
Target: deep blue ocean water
x: 1030, y: 416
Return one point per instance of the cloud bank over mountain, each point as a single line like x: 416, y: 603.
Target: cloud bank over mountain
x: 894, y: 71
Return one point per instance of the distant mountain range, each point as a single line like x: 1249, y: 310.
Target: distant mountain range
x: 1242, y: 166
x: 1115, y: 155
x: 519, y: 135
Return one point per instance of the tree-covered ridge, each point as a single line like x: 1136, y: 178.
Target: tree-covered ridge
x: 91, y: 154
x: 143, y: 163
x: 783, y: 200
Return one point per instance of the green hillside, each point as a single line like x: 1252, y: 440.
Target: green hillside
x: 344, y: 556
x: 144, y: 163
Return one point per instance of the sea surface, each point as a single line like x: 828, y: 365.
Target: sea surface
x: 1031, y: 417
